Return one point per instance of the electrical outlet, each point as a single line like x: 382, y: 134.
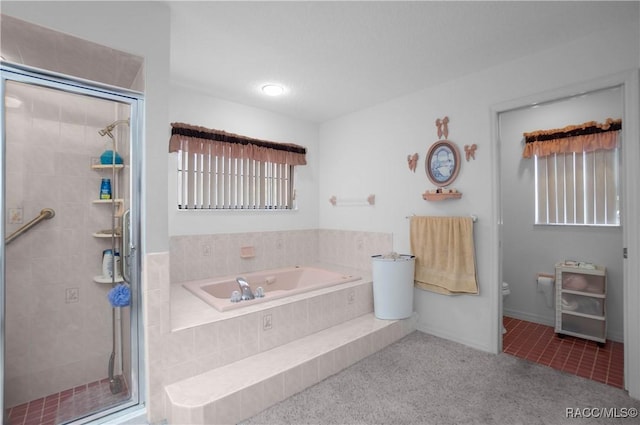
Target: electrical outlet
x: 206, y: 250
x: 351, y: 296
x: 267, y: 322
x: 71, y: 295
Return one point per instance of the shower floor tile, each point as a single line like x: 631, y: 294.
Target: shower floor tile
x: 66, y: 405
x: 539, y: 344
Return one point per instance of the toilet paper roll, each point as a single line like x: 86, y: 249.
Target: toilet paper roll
x: 545, y: 285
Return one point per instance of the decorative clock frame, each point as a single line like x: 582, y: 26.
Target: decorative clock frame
x: 442, y: 163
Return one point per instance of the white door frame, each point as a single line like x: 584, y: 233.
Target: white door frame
x: 630, y: 83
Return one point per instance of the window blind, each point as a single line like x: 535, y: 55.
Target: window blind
x: 578, y: 188
x: 231, y: 172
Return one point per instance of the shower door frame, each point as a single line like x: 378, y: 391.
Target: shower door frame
x: 135, y: 100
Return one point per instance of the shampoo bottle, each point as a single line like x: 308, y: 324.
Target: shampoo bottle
x: 107, y: 263
x: 105, y: 189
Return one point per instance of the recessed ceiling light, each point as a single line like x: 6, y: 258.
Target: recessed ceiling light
x: 272, y: 89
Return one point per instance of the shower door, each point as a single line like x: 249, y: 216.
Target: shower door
x: 70, y: 350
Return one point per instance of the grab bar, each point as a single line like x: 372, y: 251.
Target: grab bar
x: 45, y: 214
x: 125, y: 250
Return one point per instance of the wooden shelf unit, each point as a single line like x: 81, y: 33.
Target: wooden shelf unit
x: 427, y: 196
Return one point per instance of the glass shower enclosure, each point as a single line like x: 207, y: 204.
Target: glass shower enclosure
x: 70, y: 281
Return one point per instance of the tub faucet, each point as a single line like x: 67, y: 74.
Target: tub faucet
x: 245, y: 288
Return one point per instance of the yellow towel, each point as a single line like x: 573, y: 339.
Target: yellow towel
x: 445, y: 257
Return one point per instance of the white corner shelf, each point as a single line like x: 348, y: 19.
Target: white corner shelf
x: 106, y: 235
x: 102, y: 279
x: 106, y: 166
x: 119, y: 205
x: 108, y: 201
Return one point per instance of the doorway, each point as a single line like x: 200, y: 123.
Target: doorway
x: 71, y: 347
x: 547, y: 245
x: 629, y: 294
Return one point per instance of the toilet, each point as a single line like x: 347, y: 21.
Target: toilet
x: 505, y: 291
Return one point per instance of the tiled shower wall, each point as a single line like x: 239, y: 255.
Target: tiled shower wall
x: 58, y: 321
x: 196, y: 257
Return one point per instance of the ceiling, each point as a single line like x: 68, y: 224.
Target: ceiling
x: 338, y: 57
x: 334, y: 57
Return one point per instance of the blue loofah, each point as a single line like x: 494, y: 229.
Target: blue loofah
x: 120, y: 295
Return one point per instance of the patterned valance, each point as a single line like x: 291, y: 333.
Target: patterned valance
x: 587, y: 137
x: 194, y: 139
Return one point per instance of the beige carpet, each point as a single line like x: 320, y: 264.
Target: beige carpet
x: 423, y: 379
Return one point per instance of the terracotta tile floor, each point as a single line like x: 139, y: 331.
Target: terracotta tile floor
x: 66, y: 405
x: 539, y: 344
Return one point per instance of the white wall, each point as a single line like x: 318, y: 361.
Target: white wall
x: 527, y: 249
x: 366, y: 152
x: 195, y: 108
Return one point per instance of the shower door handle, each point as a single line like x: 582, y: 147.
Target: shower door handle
x: 126, y: 246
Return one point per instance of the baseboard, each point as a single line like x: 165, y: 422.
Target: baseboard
x: 453, y: 337
x: 614, y: 336
x: 534, y: 318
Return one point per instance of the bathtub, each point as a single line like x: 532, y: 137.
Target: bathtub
x: 276, y: 283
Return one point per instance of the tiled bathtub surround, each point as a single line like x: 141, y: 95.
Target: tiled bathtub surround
x: 198, y: 344
x: 196, y: 257
x: 187, y: 310
x: 352, y: 249
x: 237, y: 391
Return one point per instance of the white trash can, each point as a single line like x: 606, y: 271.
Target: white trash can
x: 393, y: 286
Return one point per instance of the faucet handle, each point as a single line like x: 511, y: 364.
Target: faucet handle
x: 235, y: 297
x: 259, y: 292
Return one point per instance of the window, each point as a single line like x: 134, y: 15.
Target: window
x: 578, y: 188
x: 219, y: 170
x: 220, y: 182
x: 577, y: 173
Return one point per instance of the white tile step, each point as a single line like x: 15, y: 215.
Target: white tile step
x: 242, y: 389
